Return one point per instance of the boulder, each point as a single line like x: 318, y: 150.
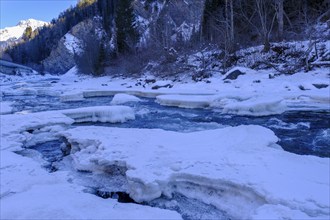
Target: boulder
x: 234, y: 74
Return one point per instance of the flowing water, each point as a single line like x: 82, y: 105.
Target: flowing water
x: 300, y: 132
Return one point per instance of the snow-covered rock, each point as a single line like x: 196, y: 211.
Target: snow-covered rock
x: 122, y: 98
x: 112, y: 114
x: 73, y: 44
x: 235, y: 168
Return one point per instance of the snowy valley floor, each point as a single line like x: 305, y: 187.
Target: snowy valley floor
x: 235, y: 172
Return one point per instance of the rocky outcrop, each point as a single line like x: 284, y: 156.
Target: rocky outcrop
x: 61, y: 59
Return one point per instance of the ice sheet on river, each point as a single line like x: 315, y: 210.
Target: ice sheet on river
x: 28, y: 191
x: 112, y: 114
x: 235, y: 168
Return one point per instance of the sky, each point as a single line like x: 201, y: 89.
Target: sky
x: 12, y: 11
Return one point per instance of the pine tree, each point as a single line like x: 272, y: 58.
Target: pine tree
x: 127, y: 35
x: 27, y: 35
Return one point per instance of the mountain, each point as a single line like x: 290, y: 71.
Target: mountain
x: 9, y: 35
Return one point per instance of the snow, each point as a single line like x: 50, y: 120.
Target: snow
x: 231, y: 168
x: 123, y: 98
x: 5, y: 108
x: 72, y: 43
x: 62, y: 201
x: 112, y: 114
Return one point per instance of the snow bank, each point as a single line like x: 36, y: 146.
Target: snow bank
x: 122, y: 98
x: 112, y: 114
x: 5, y: 108
x: 234, y: 168
x: 257, y: 106
x: 185, y: 101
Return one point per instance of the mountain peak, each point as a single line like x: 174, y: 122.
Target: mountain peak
x: 31, y: 22
x: 15, y: 32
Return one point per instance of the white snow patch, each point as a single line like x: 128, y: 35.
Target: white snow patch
x: 72, y: 43
x: 64, y: 201
x: 281, y: 212
x: 122, y: 98
x: 5, y: 108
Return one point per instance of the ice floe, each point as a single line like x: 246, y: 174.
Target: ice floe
x: 112, y: 114
x: 185, y: 101
x: 234, y: 168
x: 257, y: 106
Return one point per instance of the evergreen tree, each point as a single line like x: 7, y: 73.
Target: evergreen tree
x: 27, y: 35
x: 127, y: 35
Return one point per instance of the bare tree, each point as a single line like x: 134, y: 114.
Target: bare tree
x: 261, y: 16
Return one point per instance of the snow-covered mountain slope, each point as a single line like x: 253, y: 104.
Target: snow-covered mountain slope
x: 16, y: 32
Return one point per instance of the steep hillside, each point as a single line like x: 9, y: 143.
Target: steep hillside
x: 130, y: 36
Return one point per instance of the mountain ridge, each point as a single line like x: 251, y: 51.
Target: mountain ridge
x: 16, y: 32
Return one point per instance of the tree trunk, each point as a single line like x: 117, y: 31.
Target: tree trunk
x: 280, y: 14
x: 232, y: 36
x: 266, y: 45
